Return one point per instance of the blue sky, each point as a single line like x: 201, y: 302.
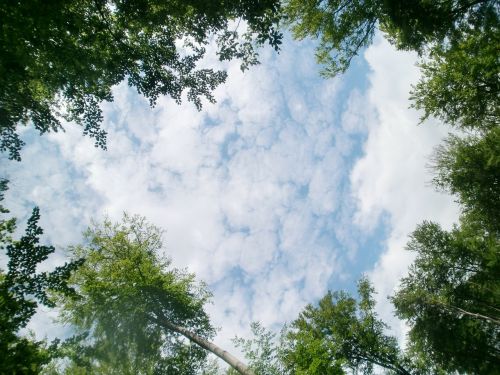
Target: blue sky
x: 288, y: 186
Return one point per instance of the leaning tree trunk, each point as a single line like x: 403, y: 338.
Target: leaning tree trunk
x: 207, y: 345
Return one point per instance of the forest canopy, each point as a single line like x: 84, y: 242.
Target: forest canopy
x: 131, y: 311
x: 61, y: 59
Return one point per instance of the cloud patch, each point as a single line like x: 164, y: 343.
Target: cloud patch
x: 391, y: 182
x: 251, y: 191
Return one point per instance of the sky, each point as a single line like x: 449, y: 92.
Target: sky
x: 290, y: 185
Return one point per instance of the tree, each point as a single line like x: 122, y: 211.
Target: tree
x: 469, y: 167
x: 342, y: 333
x: 457, y: 40
x: 344, y: 27
x: 460, y: 81
x: 134, y: 310
x: 60, y: 59
x: 451, y: 297
x: 418, y: 25
x: 263, y: 353
x: 22, y: 289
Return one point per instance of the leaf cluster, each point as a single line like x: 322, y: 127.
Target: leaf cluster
x: 344, y: 27
x: 460, y: 79
x: 263, y: 353
x: 469, y: 168
x: 60, y: 59
x: 22, y: 289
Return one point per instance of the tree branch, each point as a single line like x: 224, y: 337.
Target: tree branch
x: 205, y: 344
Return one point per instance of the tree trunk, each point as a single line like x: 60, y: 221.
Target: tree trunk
x: 207, y: 345
x: 465, y: 312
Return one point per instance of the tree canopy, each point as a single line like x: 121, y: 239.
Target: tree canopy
x: 450, y: 297
x: 460, y: 81
x: 458, y: 41
x: 469, y: 168
x: 344, y: 27
x: 60, y: 59
x: 134, y: 312
x: 342, y: 333
x: 22, y: 289
x: 263, y: 353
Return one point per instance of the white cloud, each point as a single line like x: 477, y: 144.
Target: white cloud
x: 391, y: 181
x: 245, y: 189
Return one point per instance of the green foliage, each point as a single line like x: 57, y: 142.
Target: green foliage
x: 124, y: 287
x: 60, y: 59
x: 469, y: 167
x: 262, y: 352
x: 417, y: 24
x: 342, y: 333
x: 460, y: 80
x: 344, y: 27
x: 450, y: 297
x: 22, y: 288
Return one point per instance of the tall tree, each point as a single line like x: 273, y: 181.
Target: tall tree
x: 451, y: 297
x: 134, y: 308
x: 22, y: 289
x: 469, y: 168
x: 60, y: 59
x: 460, y: 80
x: 342, y: 333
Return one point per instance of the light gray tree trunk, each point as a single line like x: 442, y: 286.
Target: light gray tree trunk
x: 207, y: 345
